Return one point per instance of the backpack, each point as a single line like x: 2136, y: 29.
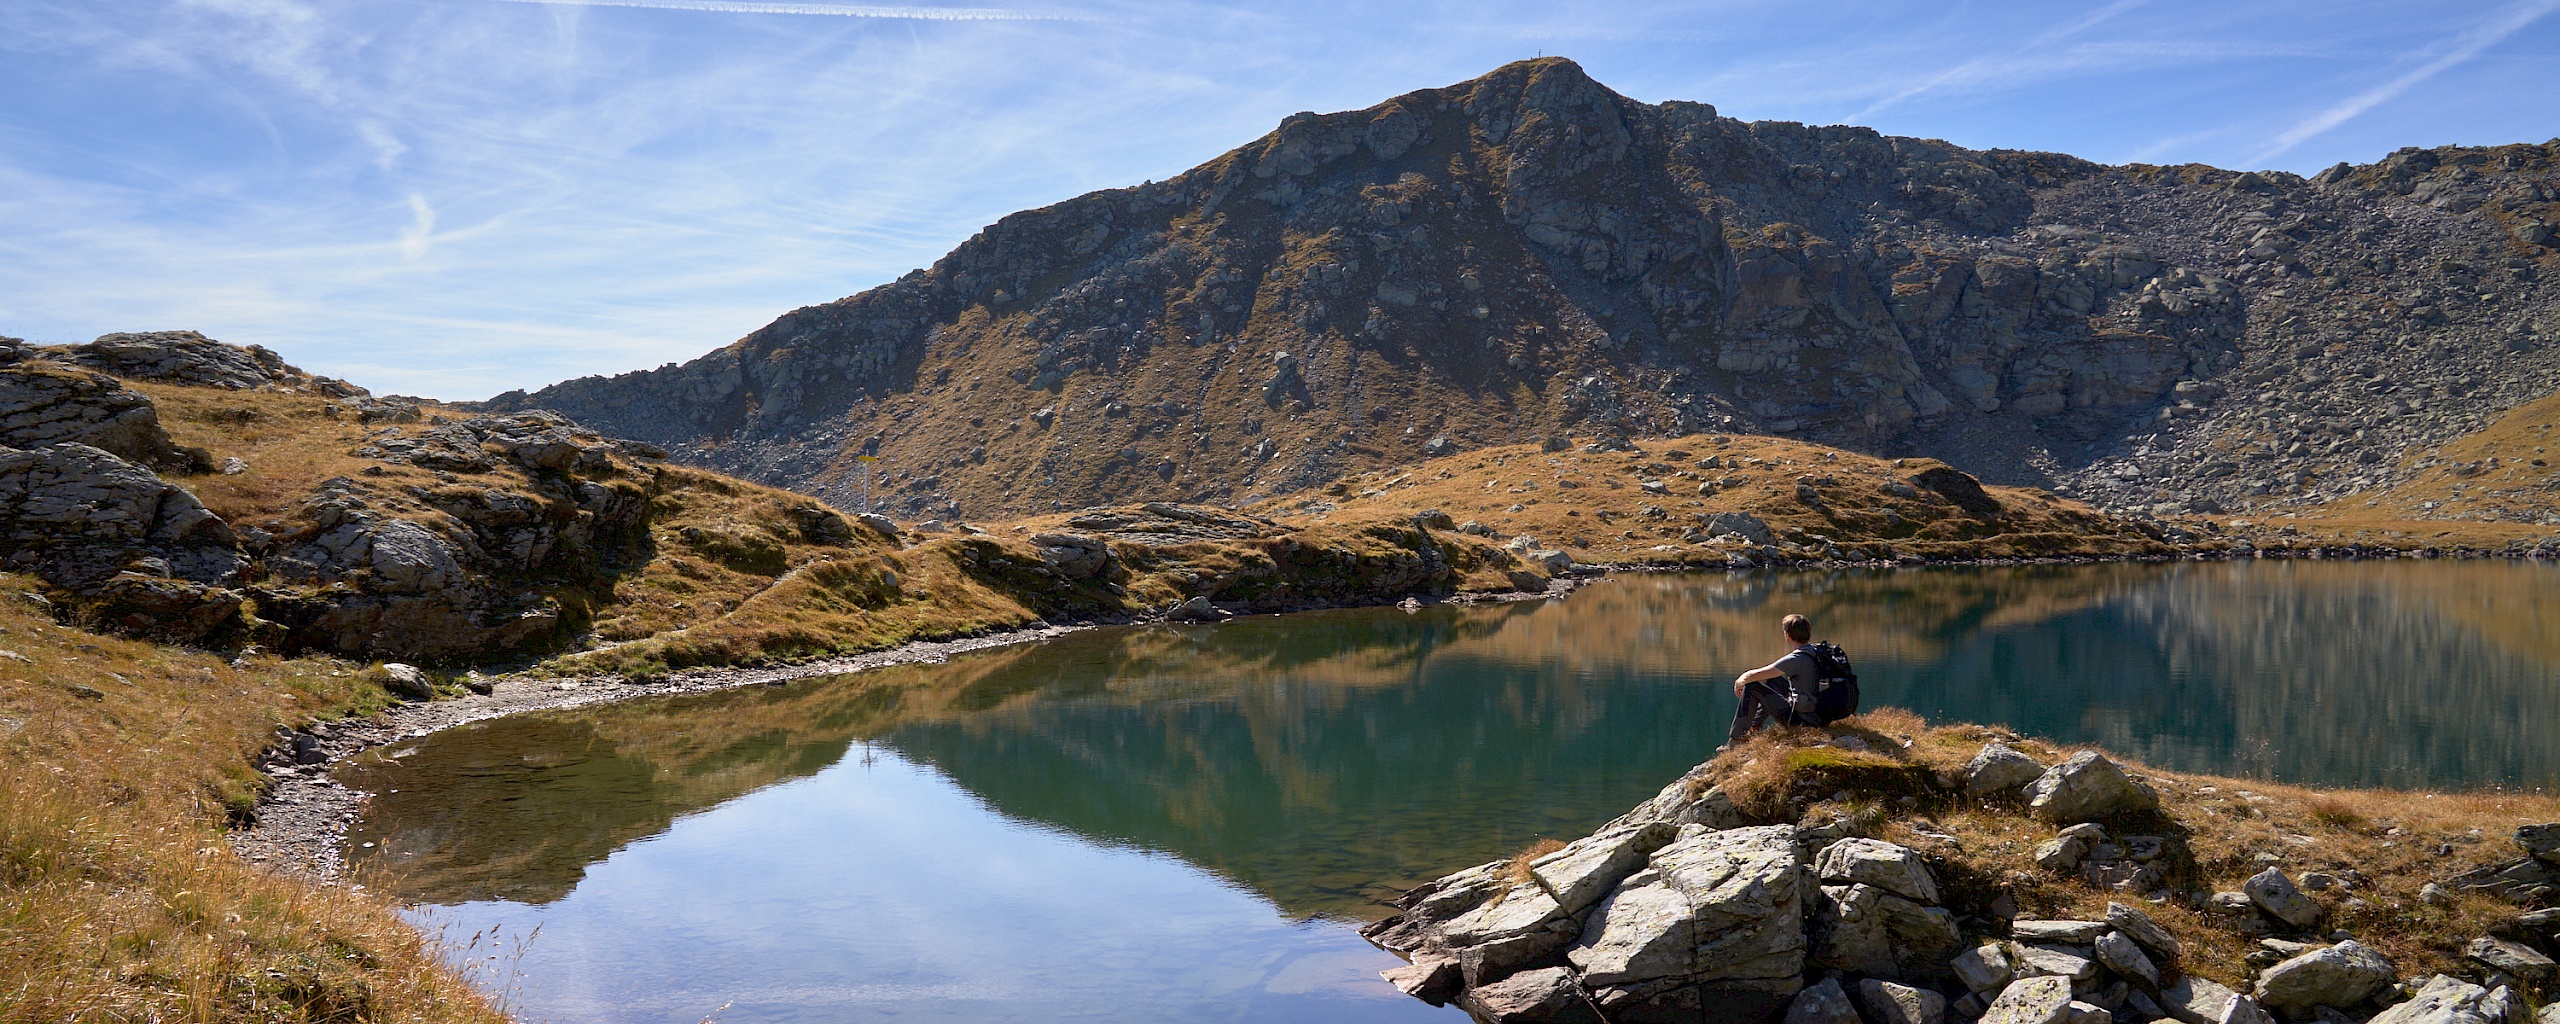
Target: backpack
x: 1836, y: 684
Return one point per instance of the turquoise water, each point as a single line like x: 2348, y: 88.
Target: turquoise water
x: 1186, y: 823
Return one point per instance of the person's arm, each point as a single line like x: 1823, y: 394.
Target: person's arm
x: 1758, y: 675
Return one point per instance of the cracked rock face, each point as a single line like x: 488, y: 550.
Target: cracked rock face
x: 44, y: 403
x: 182, y: 357
x: 145, y: 556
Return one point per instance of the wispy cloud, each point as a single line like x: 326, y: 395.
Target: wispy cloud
x: 838, y: 10
x: 1979, y: 66
x: 2460, y: 49
x: 458, y: 197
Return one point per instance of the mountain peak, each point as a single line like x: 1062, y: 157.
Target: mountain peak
x: 1529, y: 254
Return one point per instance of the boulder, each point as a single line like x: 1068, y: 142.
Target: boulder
x: 2341, y: 975
x: 2000, y: 769
x: 1822, y: 1003
x: 1895, y: 869
x: 1072, y: 556
x: 1197, y: 609
x: 1891, y: 1003
x: 1984, y: 968
x: 2045, y: 1000
x: 2541, y: 842
x: 1548, y: 995
x: 406, y: 681
x: 2194, y: 1000
x: 1739, y: 524
x: 2516, y: 959
x: 2088, y: 1013
x: 2123, y: 956
x: 2243, y: 1010
x: 2444, y: 1000
x: 2036, y: 961
x: 45, y: 404
x: 1553, y: 560
x: 2062, y: 854
x: 2088, y: 786
x: 2139, y: 927
x: 2275, y: 893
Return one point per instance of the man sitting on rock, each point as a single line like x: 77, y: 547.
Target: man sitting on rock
x: 1812, y: 685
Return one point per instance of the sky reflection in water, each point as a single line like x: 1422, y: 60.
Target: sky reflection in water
x: 1180, y: 822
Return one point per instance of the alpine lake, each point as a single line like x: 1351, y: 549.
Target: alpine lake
x: 1187, y: 823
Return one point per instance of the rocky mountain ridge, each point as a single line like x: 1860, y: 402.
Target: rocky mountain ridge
x: 1529, y: 255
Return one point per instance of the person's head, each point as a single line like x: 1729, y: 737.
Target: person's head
x: 1799, y: 628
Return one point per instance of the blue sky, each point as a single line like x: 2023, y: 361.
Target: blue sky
x: 456, y: 197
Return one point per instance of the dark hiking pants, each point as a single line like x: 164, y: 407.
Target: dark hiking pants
x: 1764, y: 702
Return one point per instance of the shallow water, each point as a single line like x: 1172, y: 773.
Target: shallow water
x: 1184, y: 823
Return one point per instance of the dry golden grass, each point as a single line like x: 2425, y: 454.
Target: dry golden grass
x: 120, y: 764
x: 1897, y: 790
x: 1516, y: 870
x: 2504, y: 467
x: 1596, y: 506
x: 291, y: 442
x: 848, y: 600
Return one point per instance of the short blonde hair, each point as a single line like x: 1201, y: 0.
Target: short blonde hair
x: 1799, y: 628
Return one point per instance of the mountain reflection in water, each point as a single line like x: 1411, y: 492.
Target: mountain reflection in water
x: 1321, y: 760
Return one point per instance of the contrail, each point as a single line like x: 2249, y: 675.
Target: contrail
x: 838, y: 10
x: 2466, y: 47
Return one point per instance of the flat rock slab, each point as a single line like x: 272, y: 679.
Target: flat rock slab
x: 1546, y: 996
x: 2035, y: 961
x: 2066, y: 932
x: 2138, y: 926
x: 1895, y: 869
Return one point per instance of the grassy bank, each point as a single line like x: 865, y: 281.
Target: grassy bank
x: 121, y: 763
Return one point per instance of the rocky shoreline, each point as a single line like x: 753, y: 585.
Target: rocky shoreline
x: 1694, y: 907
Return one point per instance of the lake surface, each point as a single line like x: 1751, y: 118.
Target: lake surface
x: 1186, y: 823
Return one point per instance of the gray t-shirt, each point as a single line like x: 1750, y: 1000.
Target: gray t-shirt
x: 1804, y: 678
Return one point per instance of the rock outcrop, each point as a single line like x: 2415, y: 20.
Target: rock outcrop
x: 45, y: 403
x: 181, y: 357
x: 1346, y: 291
x: 465, y: 569
x: 142, y: 554
x: 1685, y: 910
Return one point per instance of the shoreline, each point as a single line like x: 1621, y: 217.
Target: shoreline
x: 300, y: 824
x: 301, y: 820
